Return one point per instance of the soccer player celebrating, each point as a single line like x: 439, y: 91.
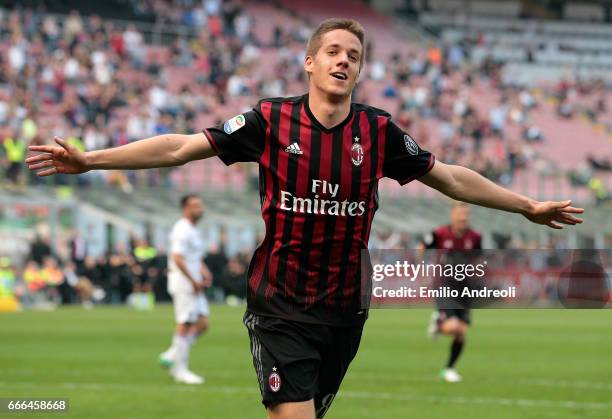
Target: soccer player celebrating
x: 188, y: 276
x: 320, y: 158
x: 448, y: 320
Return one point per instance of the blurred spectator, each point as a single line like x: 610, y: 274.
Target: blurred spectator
x: 51, y: 272
x: 91, y: 271
x: 82, y: 286
x: 8, y: 278
x: 234, y: 278
x: 140, y: 124
x: 134, y: 45
x: 599, y: 190
x: 32, y: 276
x: 73, y: 26
x: 216, y: 260
x: 78, y: 249
x: 39, y: 249
x: 14, y: 150
x: 601, y: 163
x: 497, y: 116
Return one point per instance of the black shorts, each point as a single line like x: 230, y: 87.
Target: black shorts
x: 296, y: 361
x: 463, y: 314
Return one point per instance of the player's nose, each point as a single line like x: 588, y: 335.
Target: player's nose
x: 343, y: 60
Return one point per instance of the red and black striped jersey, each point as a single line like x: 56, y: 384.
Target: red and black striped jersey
x: 444, y: 238
x: 319, y: 193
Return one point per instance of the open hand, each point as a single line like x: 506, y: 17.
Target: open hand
x: 553, y: 214
x: 57, y: 159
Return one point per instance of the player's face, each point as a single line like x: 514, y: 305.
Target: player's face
x: 460, y: 218
x: 335, y: 67
x: 194, y: 210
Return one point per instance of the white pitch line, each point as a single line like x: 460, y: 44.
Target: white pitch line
x: 590, y: 385
x: 366, y: 395
x: 568, y: 404
x: 358, y: 376
x: 543, y: 382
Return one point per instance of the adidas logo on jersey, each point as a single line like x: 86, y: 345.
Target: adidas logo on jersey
x: 294, y: 149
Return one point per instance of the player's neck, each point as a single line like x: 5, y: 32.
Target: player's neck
x: 328, y: 112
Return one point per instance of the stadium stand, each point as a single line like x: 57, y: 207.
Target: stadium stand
x: 523, y: 101
x: 172, y: 105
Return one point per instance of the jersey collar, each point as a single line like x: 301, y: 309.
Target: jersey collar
x: 320, y: 126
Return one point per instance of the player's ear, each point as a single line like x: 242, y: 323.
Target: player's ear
x: 308, y: 64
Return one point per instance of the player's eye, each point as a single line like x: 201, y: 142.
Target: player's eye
x: 331, y: 52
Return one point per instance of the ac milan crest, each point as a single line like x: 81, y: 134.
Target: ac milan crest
x: 411, y: 146
x: 357, y: 152
x: 274, y: 381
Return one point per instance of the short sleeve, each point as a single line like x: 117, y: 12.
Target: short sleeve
x: 178, y: 240
x: 239, y: 139
x: 404, y: 159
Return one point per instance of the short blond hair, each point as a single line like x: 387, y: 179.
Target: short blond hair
x: 328, y: 25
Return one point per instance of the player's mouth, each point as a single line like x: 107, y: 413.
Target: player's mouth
x: 340, y: 75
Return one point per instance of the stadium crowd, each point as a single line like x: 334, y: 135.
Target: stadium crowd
x: 136, y: 275
x: 98, y: 85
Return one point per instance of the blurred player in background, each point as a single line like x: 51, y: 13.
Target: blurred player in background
x: 188, y: 276
x: 320, y: 159
x: 447, y: 320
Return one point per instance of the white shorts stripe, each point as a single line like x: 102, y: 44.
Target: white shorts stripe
x: 250, y: 321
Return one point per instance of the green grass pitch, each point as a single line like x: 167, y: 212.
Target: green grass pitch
x: 517, y: 364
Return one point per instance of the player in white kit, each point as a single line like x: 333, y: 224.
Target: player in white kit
x: 188, y: 276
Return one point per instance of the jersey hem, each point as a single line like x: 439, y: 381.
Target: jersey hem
x: 430, y: 165
x: 215, y: 147
x: 357, y: 321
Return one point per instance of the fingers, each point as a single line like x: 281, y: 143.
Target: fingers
x: 570, y: 219
x: 40, y: 161
x: 563, y: 215
x: 41, y: 148
x: 62, y: 143
x: 562, y: 204
x: 565, y: 205
x: 38, y: 158
x: 567, y: 221
x: 573, y: 210
x: 47, y: 172
x: 41, y: 165
x: 47, y: 159
x: 49, y: 148
x: 554, y: 225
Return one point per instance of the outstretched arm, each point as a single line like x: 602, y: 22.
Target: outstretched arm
x: 466, y: 185
x: 159, y: 151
